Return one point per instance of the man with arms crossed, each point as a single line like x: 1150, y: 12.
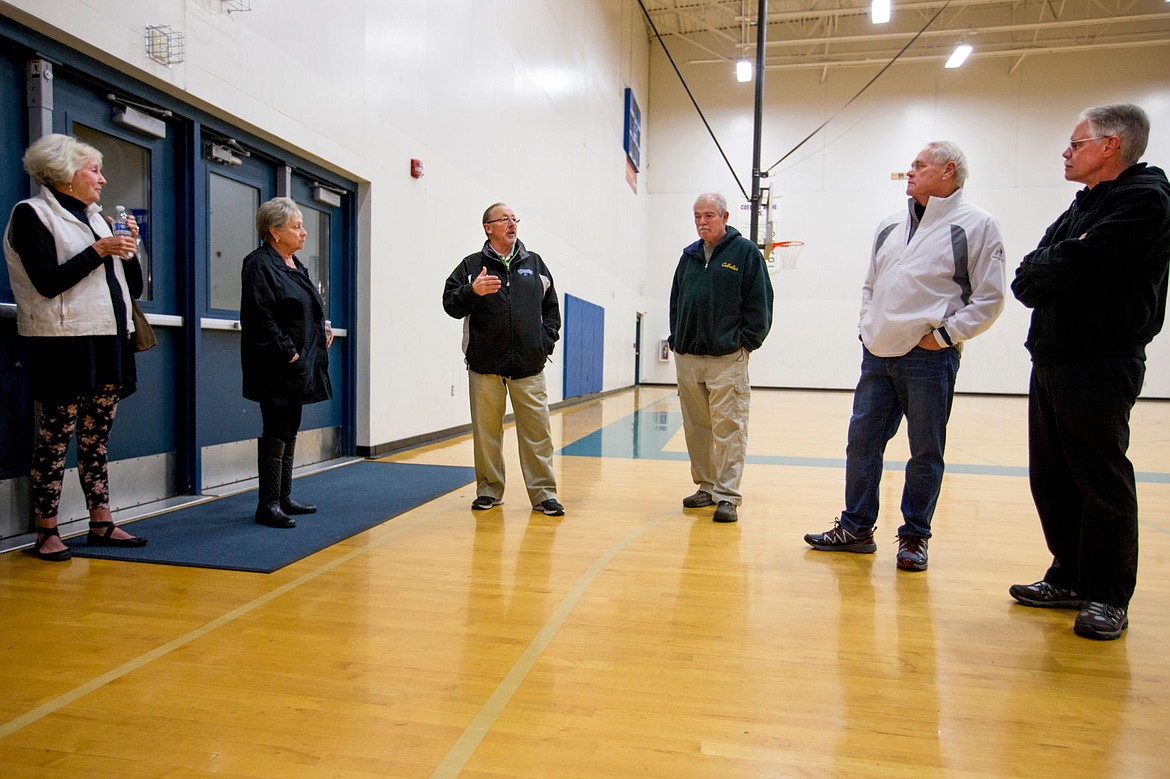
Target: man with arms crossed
x: 1097, y: 289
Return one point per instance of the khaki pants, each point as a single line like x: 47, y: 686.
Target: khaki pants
x: 489, y: 394
x: 715, y: 395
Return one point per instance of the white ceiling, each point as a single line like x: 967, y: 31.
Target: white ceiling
x: 827, y: 34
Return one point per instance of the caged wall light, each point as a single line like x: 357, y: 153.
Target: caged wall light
x: 165, y: 45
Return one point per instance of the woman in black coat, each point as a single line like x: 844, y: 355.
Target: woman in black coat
x: 284, y: 352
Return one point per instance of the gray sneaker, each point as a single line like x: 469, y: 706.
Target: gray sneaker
x: 838, y: 539
x: 725, y: 512
x: 700, y: 500
x: 1101, y: 621
x: 912, y: 553
x: 1043, y: 595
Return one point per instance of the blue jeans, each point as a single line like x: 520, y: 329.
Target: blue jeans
x: 919, y: 385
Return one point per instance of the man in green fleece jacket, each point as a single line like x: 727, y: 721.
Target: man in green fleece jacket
x: 720, y: 312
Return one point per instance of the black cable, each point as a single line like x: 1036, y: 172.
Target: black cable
x: 693, y: 101
x: 867, y: 86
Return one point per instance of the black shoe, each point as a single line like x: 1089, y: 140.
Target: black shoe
x: 725, y: 512
x: 106, y: 538
x: 485, y: 502
x: 550, y: 507
x: 838, y: 539
x: 700, y: 500
x: 1101, y: 621
x: 290, y: 506
x: 43, y: 535
x: 272, y: 516
x: 912, y: 553
x: 1044, y: 595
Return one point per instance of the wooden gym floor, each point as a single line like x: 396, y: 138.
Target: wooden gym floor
x: 630, y: 638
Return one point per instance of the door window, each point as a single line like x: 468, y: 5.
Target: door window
x: 315, y: 255
x: 126, y: 168
x: 232, y: 237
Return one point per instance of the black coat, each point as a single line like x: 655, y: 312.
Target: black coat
x: 1097, y: 284
x: 512, y: 332
x: 281, y: 315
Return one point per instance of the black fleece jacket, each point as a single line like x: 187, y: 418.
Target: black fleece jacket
x: 509, y: 333
x: 1097, y: 282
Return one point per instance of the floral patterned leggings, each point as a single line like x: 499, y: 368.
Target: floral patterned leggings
x: 91, y: 416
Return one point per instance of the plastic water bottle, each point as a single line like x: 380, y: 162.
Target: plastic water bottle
x: 121, y: 227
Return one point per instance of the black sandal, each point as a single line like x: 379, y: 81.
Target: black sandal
x: 43, y: 535
x: 106, y: 539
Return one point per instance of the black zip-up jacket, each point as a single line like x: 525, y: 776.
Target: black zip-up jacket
x: 281, y: 315
x: 721, y: 306
x: 509, y: 333
x: 1097, y: 282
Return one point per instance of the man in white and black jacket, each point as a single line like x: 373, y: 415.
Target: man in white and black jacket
x: 511, y: 320
x: 1096, y: 285
x: 935, y: 280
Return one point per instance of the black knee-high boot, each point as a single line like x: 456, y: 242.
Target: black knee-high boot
x: 287, y: 504
x: 270, y: 452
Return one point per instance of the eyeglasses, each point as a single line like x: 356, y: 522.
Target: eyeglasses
x: 511, y: 219
x: 1074, y: 145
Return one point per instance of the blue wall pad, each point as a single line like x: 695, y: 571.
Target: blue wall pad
x: 584, y: 346
x: 221, y: 533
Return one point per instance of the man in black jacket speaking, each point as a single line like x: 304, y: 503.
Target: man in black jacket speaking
x: 1097, y: 289
x: 511, y: 319
x: 720, y: 312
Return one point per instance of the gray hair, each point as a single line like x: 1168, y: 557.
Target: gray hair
x: 942, y: 152
x: 277, y: 212
x: 1125, y: 120
x: 487, y: 214
x: 55, y: 159
x: 715, y: 197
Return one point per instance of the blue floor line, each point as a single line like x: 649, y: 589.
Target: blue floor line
x: 644, y: 434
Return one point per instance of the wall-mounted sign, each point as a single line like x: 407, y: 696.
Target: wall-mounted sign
x: 633, y: 134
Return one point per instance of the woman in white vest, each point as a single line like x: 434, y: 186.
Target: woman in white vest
x: 73, y: 281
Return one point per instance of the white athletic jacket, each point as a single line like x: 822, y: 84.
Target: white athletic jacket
x: 949, y: 277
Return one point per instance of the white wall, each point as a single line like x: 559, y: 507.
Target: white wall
x: 521, y: 100
x: 501, y: 100
x: 835, y: 189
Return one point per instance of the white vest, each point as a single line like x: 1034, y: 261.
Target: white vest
x: 85, y: 308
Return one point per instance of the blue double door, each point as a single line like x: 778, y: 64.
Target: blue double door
x: 194, y: 185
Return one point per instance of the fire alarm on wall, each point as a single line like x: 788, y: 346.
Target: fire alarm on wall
x: 416, y: 169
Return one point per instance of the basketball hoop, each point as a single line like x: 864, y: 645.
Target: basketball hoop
x: 783, y: 255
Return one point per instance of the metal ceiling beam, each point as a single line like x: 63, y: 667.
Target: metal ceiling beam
x: 1024, y: 27
x: 981, y: 54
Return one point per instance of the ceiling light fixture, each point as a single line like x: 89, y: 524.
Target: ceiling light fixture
x: 879, y: 11
x: 743, y: 70
x: 959, y: 55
